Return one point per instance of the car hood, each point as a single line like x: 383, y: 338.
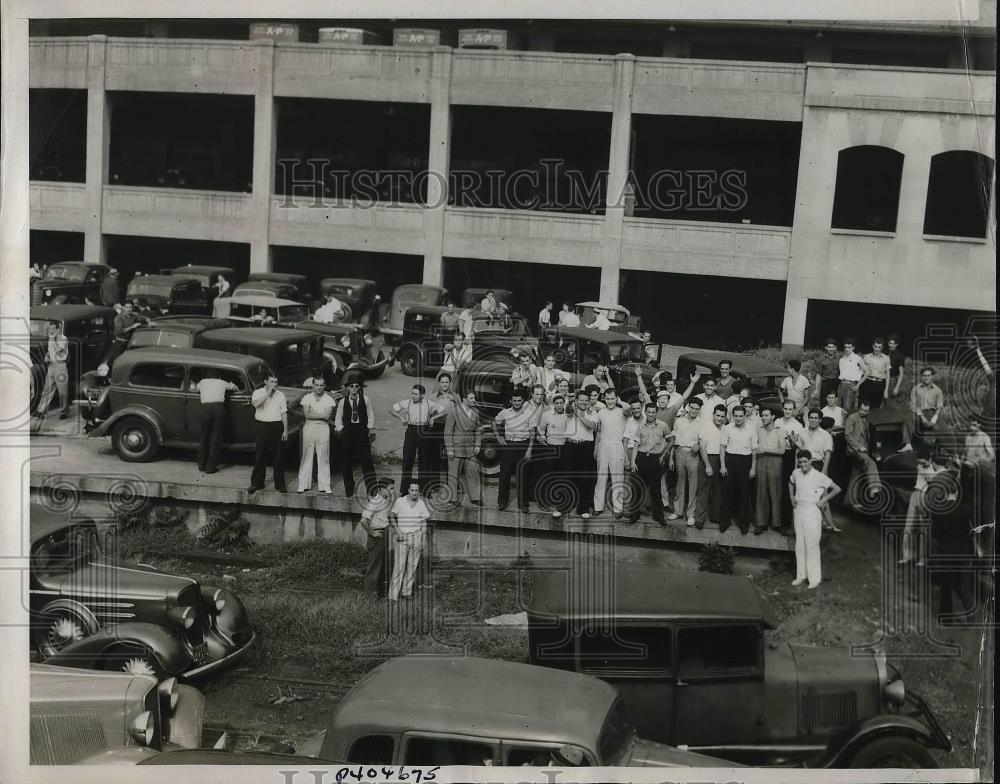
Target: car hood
x: 125, y: 580
x: 648, y: 754
x: 832, y: 668
x: 155, y: 300
x: 57, y: 284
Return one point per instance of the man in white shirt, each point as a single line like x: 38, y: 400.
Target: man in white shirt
x: 518, y: 422
x: 791, y: 428
x: 610, y: 454
x: 795, y: 387
x: 375, y: 521
x: 317, y: 407
x: 577, y: 457
x: 416, y: 414
x: 354, y: 423
x: 685, y: 457
x: 711, y: 483
x: 819, y: 443
x: 852, y: 376
x: 709, y: 400
x: 550, y: 435
x: 548, y: 375
x: 569, y: 317
x: 212, y: 394
x: 56, y: 372
x: 331, y: 312
x: 600, y: 321
x: 810, y: 490
x: 545, y: 316
x: 271, y: 415
x: 489, y: 304
x: 834, y: 411
x: 599, y: 378
x: 408, y: 517
x: 738, y: 464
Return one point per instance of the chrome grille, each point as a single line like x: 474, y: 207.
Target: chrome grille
x: 828, y: 711
x: 62, y: 739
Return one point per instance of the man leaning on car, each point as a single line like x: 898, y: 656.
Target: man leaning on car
x: 212, y: 393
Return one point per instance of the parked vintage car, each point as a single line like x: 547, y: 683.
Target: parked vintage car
x: 207, y: 274
x: 90, y: 331
x: 270, y: 288
x: 300, y: 282
x: 163, y: 295
x: 362, y: 305
x: 90, y: 718
x: 407, y: 296
x: 417, y: 710
x: 620, y: 317
x: 764, y: 377
x: 293, y: 354
x: 257, y: 311
x: 88, y: 611
x: 152, y: 401
x: 70, y: 283
x: 350, y: 347
x: 690, y: 654
x: 578, y: 350
x: 422, y: 348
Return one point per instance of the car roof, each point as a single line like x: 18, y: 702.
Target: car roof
x: 347, y: 282
x: 258, y: 336
x: 603, y: 306
x: 495, y: 697
x: 263, y: 285
x: 597, y: 335
x: 322, y: 328
x: 743, y: 364
x: 280, y: 277
x: 77, y: 264
x: 653, y: 593
x: 171, y: 280
x: 255, y: 300
x: 187, y: 323
x: 44, y: 521
x: 200, y: 269
x: 426, y: 310
x: 69, y: 312
x: 225, y: 359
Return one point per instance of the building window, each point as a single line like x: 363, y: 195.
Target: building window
x: 958, y: 194
x: 867, y: 194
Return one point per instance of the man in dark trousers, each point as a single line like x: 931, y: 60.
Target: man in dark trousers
x: 416, y: 413
x: 515, y: 444
x: 111, y: 290
x: 354, y: 423
x: 212, y: 392
x: 271, y: 415
x: 375, y: 521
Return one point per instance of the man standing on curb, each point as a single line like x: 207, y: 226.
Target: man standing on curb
x: 56, y: 372
x: 212, y: 394
x: 415, y: 414
x: 375, y: 521
x: 711, y: 483
x: 770, y: 454
x: 271, y: 415
x: 515, y: 444
x: 685, y: 457
x: 576, y: 460
x: 463, y: 439
x: 317, y: 407
x: 354, y: 423
x: 647, y: 451
x: 810, y: 491
x: 611, y: 453
x: 408, y: 517
x: 738, y: 466
x: 852, y: 376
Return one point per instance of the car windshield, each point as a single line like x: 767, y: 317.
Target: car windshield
x: 291, y: 314
x: 255, y: 292
x: 64, y: 548
x: 258, y: 374
x: 626, y: 352
x: 767, y: 382
x: 417, y: 295
x: 145, y: 287
x: 75, y: 274
x: 617, y: 736
x: 40, y: 328
x: 160, y: 337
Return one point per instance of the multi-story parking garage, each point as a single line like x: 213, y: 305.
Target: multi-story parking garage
x: 768, y: 176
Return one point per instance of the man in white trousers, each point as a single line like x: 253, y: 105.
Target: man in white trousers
x: 810, y: 490
x: 408, y: 518
x: 317, y: 407
x: 610, y: 453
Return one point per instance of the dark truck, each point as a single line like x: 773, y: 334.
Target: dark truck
x: 692, y: 657
x: 70, y: 283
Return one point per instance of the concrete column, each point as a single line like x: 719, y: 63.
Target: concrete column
x: 438, y: 156
x: 913, y: 197
x: 265, y: 136
x: 793, y: 329
x: 98, y: 142
x: 618, y: 166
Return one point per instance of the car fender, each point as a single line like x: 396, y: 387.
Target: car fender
x: 168, y: 648
x: 845, y: 744
x: 143, y: 412
x: 85, y: 613
x: 232, y: 618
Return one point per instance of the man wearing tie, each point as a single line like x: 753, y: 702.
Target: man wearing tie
x: 354, y: 423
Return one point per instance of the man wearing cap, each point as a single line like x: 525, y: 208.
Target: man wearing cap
x: 354, y: 423
x: 375, y: 521
x: 463, y: 439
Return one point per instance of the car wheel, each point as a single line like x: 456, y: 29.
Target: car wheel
x: 135, y: 441
x: 60, y: 628
x: 489, y: 455
x: 133, y: 659
x: 893, y: 752
x: 408, y: 362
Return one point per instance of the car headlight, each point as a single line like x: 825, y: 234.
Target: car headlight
x: 219, y: 599
x: 103, y: 370
x: 143, y: 729
x: 181, y: 616
x: 168, y: 696
x: 895, y: 692
x: 345, y: 341
x: 369, y: 340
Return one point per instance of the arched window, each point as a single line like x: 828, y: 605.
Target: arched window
x: 958, y: 194
x: 867, y: 194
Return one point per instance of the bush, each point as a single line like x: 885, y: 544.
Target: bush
x: 716, y: 558
x: 226, y: 530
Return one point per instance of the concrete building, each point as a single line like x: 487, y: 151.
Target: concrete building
x: 849, y: 237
